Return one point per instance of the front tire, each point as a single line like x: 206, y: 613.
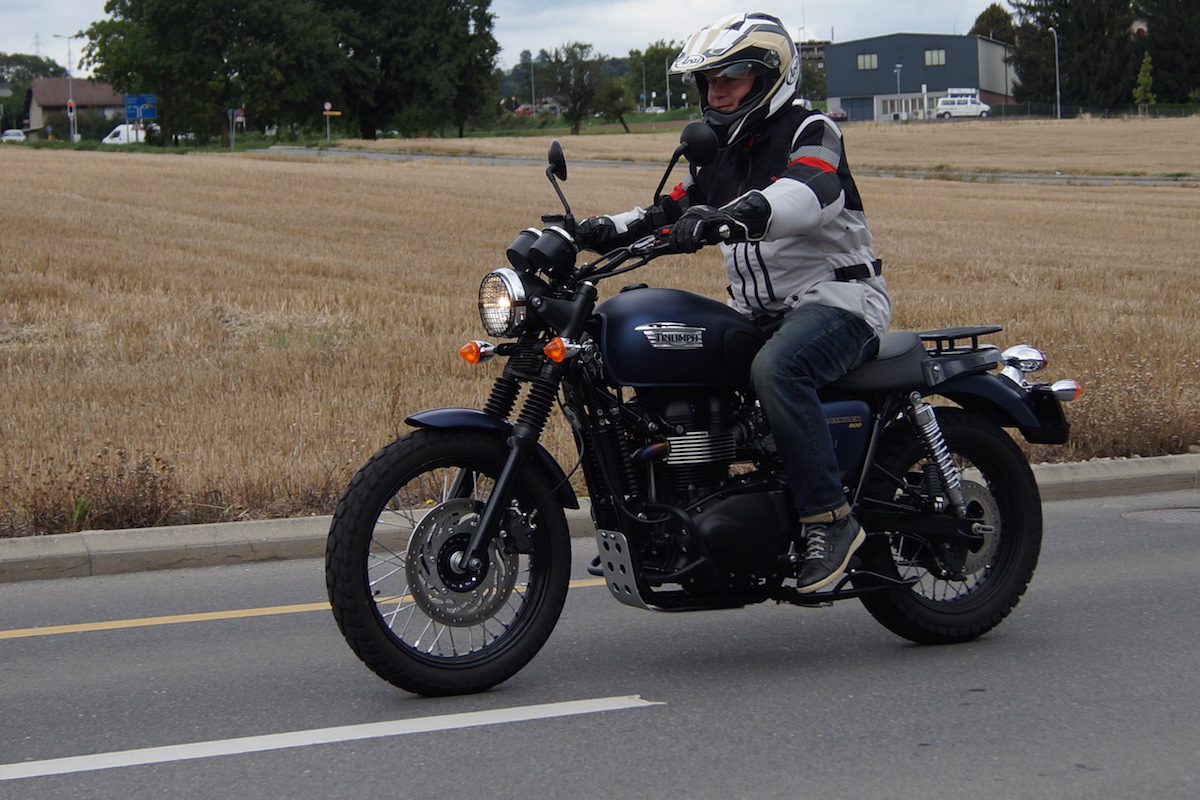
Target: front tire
x: 1000, y: 488
x: 393, y: 559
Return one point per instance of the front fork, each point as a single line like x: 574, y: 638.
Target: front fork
x: 535, y: 413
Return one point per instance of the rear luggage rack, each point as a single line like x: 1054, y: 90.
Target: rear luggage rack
x: 951, y: 357
x: 946, y: 339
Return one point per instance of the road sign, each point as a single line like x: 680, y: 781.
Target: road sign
x: 141, y: 106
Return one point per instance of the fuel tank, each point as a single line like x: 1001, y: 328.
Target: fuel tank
x: 669, y: 337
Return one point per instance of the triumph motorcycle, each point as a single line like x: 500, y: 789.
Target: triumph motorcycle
x: 448, y: 557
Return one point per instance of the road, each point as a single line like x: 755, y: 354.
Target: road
x: 233, y: 682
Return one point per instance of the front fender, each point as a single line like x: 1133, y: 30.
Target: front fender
x: 473, y: 418
x: 1038, y: 414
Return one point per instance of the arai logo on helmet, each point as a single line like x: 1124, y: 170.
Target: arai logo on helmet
x: 687, y: 62
x: 672, y: 336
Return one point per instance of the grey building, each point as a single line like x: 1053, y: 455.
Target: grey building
x: 902, y: 75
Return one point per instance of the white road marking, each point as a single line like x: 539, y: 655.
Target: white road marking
x: 345, y: 733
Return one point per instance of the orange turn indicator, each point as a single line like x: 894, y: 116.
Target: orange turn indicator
x: 476, y: 351
x: 555, y: 350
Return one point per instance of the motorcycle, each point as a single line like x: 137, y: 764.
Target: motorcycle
x: 448, y: 556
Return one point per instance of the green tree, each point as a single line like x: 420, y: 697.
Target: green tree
x: 648, y: 78
x: 576, y: 82
x: 1096, y: 51
x: 614, y: 101
x: 204, y: 57
x: 18, y: 71
x: 995, y: 23
x: 1145, y: 80
x: 1172, y: 31
x: 412, y: 64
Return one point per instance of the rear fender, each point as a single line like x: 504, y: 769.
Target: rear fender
x: 473, y: 418
x: 1037, y: 414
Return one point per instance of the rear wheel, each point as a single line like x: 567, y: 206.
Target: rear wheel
x: 961, y: 603
x: 394, y: 565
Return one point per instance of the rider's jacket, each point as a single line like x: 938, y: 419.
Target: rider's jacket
x: 816, y: 247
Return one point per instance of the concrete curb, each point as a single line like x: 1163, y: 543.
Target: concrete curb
x: 111, y: 552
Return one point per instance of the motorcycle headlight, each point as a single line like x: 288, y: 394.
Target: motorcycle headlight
x: 503, y: 303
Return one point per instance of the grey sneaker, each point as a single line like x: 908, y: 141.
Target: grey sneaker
x: 829, y: 548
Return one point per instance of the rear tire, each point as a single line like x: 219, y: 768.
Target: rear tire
x: 392, y: 558
x: 1000, y: 487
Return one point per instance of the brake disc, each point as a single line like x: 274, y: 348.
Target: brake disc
x: 437, y: 577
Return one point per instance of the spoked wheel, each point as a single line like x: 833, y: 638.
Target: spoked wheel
x: 954, y: 597
x: 396, y: 570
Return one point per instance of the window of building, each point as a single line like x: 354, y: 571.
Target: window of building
x: 935, y: 58
x: 868, y: 61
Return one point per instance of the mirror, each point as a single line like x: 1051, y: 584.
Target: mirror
x: 558, y: 162
x: 700, y: 142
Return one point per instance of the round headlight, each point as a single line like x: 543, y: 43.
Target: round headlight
x: 502, y: 302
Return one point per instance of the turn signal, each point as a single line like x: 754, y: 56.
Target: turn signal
x: 1066, y: 390
x: 559, y: 349
x: 474, y: 351
x: 555, y: 350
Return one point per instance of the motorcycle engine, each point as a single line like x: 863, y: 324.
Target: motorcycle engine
x: 699, y: 448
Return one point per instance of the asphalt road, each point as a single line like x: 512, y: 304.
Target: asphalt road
x: 1088, y: 690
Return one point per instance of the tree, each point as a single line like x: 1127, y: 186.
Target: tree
x: 1096, y: 51
x: 648, y: 76
x: 411, y: 64
x: 576, y: 81
x: 995, y: 23
x: 614, y: 101
x: 1172, y: 30
x: 18, y: 71
x: 1142, y: 94
x: 204, y: 57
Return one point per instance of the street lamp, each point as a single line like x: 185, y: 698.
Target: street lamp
x: 71, y: 127
x: 1057, y: 79
x: 899, y: 102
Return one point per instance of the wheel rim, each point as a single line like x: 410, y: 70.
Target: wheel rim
x: 429, y: 606
x: 912, y: 558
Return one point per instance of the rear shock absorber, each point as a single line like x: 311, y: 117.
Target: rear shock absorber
x: 924, y: 422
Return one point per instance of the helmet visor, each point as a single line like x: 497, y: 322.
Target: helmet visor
x: 742, y: 69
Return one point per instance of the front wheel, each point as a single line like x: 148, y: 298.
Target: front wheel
x: 394, y: 564
x: 945, y: 606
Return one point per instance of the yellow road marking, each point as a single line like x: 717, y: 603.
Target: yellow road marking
x: 207, y: 616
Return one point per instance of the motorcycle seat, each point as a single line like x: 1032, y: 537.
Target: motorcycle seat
x: 897, y: 365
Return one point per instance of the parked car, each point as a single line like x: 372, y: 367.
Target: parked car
x: 12, y: 135
x: 837, y: 114
x: 125, y: 134
x: 953, y: 106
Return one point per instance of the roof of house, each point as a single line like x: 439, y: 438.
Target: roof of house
x: 54, y: 92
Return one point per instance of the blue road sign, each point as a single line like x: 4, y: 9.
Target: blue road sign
x: 141, y: 106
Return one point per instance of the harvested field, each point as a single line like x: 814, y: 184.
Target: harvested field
x: 188, y: 338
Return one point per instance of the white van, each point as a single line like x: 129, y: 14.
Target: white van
x: 961, y: 106
x: 125, y: 134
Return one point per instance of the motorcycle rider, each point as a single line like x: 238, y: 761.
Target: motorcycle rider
x: 780, y: 201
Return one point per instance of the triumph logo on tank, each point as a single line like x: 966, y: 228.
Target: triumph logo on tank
x: 672, y: 336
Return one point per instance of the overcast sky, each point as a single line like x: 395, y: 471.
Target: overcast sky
x: 612, y: 27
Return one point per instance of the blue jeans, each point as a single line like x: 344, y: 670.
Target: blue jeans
x: 809, y: 347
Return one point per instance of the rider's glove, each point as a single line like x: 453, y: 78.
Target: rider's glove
x: 746, y: 219
x: 703, y: 225
x: 598, y: 234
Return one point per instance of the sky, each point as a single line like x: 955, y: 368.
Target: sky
x: 612, y: 27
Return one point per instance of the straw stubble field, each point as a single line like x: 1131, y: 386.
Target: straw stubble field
x: 188, y: 338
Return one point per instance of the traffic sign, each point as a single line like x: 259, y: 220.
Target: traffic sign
x: 141, y: 106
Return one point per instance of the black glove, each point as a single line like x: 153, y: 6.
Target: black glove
x: 598, y: 234
x: 703, y: 225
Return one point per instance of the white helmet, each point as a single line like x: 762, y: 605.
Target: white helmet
x: 742, y: 44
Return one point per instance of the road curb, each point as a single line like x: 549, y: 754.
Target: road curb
x: 112, y: 552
